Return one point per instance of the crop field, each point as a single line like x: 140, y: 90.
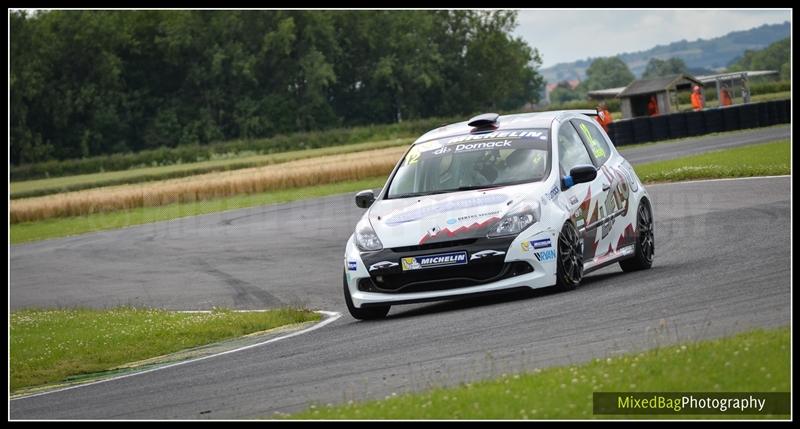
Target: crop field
x: 40, y: 187
x: 294, y: 174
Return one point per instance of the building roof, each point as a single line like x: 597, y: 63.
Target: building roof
x: 735, y: 75
x: 605, y: 93
x: 706, y: 79
x: 659, y: 84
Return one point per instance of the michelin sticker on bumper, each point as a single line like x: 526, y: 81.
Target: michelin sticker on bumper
x: 431, y: 261
x: 541, y: 244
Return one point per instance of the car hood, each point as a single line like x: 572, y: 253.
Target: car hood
x: 446, y: 217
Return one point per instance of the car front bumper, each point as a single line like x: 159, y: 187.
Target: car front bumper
x: 379, y: 278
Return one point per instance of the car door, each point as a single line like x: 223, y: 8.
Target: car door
x: 586, y: 201
x: 614, y: 205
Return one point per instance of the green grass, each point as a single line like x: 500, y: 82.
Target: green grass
x: 31, y: 188
x: 767, y: 159
x: 757, y: 361
x: 52, y: 345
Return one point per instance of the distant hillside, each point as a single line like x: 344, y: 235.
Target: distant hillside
x: 700, y: 55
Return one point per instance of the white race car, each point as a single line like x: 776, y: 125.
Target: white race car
x: 494, y: 203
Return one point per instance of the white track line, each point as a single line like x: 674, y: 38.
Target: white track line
x: 332, y: 317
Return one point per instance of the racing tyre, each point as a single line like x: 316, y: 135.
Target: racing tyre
x: 643, y: 256
x: 569, y: 265
x: 368, y: 313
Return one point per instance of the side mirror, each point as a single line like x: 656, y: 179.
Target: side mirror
x: 580, y: 174
x: 364, y: 199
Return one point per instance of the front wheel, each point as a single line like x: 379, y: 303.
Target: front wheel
x: 569, y: 268
x: 643, y: 255
x: 368, y: 313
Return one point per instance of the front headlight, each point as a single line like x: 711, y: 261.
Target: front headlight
x: 366, y: 238
x: 516, y: 220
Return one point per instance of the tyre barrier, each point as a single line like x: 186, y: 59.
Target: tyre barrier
x: 687, y: 124
x: 659, y: 127
x: 677, y: 125
x: 772, y: 110
x: 730, y: 118
x: 622, y: 131
x: 695, y: 125
x: 713, y: 119
x: 763, y: 114
x: 748, y: 116
x: 642, y: 131
x: 785, y: 110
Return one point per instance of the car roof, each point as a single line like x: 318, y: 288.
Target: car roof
x: 505, y: 122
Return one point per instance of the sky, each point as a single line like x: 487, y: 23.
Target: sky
x: 570, y: 35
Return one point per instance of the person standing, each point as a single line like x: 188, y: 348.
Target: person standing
x: 724, y: 96
x: 697, y: 99
x: 652, y: 106
x: 603, y: 115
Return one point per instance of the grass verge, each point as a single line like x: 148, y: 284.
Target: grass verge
x: 757, y: 361
x: 767, y: 159
x: 745, y: 161
x: 51, y: 345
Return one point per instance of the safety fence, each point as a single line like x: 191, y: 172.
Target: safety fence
x: 688, y: 124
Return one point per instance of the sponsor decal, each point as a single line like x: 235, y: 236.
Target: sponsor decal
x: 477, y: 216
x: 573, y: 200
x: 465, y: 147
x: 451, y: 221
x: 541, y: 244
x: 526, y: 245
x: 442, y: 150
x: 516, y: 134
x: 352, y: 265
x: 544, y: 256
x: 553, y: 192
x: 431, y: 261
x: 597, y: 149
x: 418, y: 213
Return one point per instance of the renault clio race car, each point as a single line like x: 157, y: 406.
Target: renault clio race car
x: 494, y: 203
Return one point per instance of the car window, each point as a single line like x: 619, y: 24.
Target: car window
x: 571, y: 150
x: 594, y: 139
x: 472, y: 161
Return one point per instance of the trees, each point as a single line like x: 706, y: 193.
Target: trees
x: 563, y: 93
x: 657, y: 68
x: 86, y: 83
x: 773, y: 57
x: 607, y: 73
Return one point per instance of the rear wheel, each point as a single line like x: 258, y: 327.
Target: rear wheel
x: 368, y: 313
x: 569, y: 265
x: 643, y: 256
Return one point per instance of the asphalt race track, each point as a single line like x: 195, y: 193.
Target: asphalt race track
x: 722, y: 266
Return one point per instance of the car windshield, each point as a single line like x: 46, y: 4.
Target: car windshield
x: 472, y: 161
